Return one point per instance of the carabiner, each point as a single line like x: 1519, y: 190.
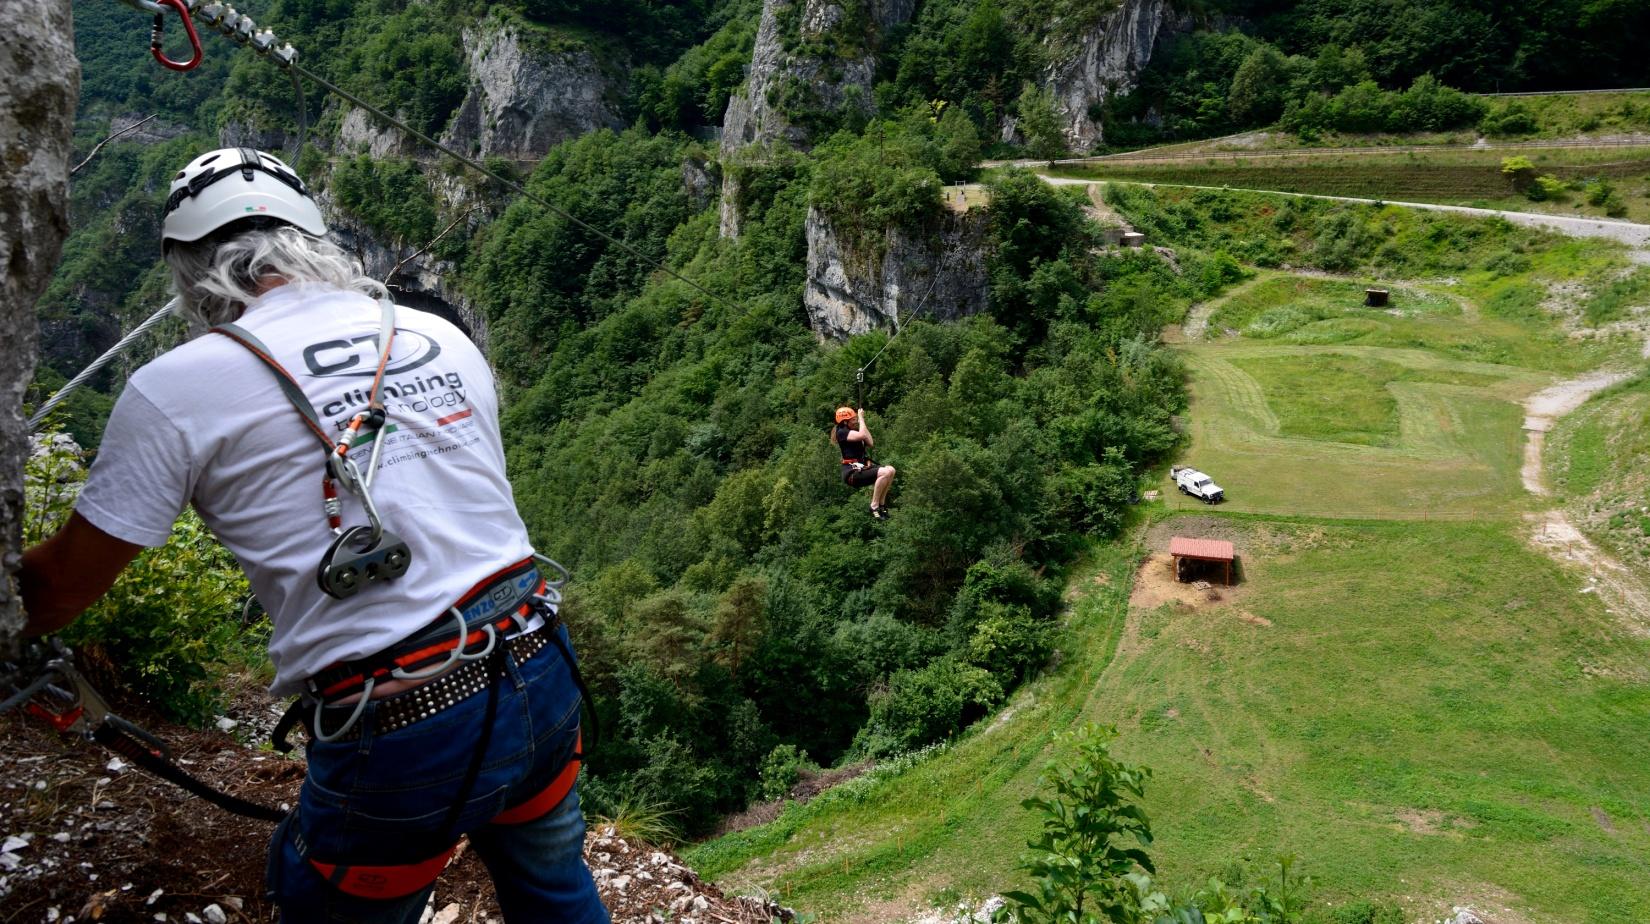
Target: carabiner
x: 188, y: 26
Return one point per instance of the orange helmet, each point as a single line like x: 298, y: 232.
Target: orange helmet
x: 844, y: 414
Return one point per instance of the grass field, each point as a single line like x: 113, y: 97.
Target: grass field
x: 1402, y: 691
x: 1420, y: 727
x: 1385, y: 433
x: 1452, y: 177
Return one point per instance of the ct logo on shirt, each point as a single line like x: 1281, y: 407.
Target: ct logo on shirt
x: 358, y: 356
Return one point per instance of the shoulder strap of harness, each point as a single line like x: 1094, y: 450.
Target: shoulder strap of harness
x: 289, y: 385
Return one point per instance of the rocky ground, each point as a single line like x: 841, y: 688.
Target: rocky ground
x: 86, y: 837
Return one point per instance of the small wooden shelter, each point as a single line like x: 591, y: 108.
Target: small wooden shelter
x: 1218, y: 551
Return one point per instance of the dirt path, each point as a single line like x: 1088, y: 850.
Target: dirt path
x: 1545, y: 407
x: 1633, y: 235
x: 1623, y: 592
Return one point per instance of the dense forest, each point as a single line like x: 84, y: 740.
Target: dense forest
x: 737, y: 611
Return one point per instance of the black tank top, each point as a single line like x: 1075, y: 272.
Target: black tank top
x: 852, y: 450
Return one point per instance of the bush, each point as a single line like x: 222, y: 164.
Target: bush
x: 1512, y: 119
x: 927, y: 705
x: 168, y: 623
x: 780, y: 771
x: 1082, y: 865
x: 1364, y: 912
x: 1546, y: 187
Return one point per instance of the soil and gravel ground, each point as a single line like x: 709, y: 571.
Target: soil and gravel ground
x: 87, y: 837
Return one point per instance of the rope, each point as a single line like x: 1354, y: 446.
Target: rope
x: 98, y: 363
x: 506, y: 182
x: 303, y: 114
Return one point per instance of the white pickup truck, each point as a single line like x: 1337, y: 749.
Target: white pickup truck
x: 1198, y: 485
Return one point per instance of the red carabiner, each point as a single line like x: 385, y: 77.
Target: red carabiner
x: 188, y: 26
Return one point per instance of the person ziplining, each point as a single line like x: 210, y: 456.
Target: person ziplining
x: 852, y: 436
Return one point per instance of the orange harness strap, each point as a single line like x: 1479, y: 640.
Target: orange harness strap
x: 384, y: 882
x: 387, y: 882
x: 551, y: 796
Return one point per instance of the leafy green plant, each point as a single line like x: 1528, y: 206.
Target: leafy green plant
x: 1081, y: 865
x: 780, y: 770
x: 166, y: 626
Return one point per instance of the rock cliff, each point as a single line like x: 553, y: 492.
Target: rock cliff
x: 1105, y: 59
x: 811, y: 57
x: 529, y: 92
x: 941, y: 274
x: 422, y: 282
x: 39, y: 83
x: 813, y: 60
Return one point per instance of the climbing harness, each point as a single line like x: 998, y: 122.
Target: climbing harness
x: 518, y: 599
x: 360, y: 555
x: 392, y: 881
x: 465, y: 663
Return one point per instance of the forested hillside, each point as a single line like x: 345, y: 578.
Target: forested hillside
x: 738, y: 611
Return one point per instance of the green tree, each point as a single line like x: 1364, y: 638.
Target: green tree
x: 1081, y: 863
x: 1257, y: 92
x: 1040, y: 123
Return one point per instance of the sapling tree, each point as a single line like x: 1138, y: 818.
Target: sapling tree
x: 1086, y: 862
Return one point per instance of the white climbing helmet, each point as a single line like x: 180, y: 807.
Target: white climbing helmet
x: 232, y: 184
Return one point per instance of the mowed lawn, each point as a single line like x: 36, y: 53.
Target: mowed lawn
x: 1356, y: 432
x: 1426, y: 712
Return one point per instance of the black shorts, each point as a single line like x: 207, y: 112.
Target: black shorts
x: 860, y: 477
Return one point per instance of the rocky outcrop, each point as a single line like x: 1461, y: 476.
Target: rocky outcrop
x: 812, y: 59
x: 942, y: 275
x: 359, y: 132
x: 39, y: 82
x: 1106, y: 59
x: 811, y: 56
x: 527, y: 95
x: 422, y: 282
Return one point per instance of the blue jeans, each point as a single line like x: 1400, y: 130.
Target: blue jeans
x: 386, y: 800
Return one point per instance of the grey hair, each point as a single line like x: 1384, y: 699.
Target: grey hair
x: 217, y: 277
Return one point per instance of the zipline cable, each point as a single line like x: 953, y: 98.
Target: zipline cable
x: 939, y: 270
x: 98, y: 363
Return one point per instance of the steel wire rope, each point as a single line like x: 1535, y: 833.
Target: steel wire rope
x: 916, y: 313
x: 92, y: 369
x: 554, y: 209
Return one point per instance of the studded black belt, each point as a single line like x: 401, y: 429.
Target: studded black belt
x: 401, y: 710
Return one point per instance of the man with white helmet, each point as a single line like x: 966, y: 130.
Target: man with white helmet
x: 348, y: 453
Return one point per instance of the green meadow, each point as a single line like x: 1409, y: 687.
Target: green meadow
x: 1402, y: 691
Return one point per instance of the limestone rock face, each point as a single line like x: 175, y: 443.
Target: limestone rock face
x: 526, y: 97
x: 39, y: 83
x: 791, y: 73
x: 359, y: 131
x: 422, y: 282
x: 787, y: 71
x: 1107, y: 60
x: 941, y: 275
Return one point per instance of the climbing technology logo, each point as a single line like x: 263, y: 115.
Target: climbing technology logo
x: 358, y: 356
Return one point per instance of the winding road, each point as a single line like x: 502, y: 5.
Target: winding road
x: 1629, y: 233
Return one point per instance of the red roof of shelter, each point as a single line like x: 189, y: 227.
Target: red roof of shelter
x: 1217, y: 549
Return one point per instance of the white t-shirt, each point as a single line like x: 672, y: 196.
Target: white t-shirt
x: 207, y: 423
